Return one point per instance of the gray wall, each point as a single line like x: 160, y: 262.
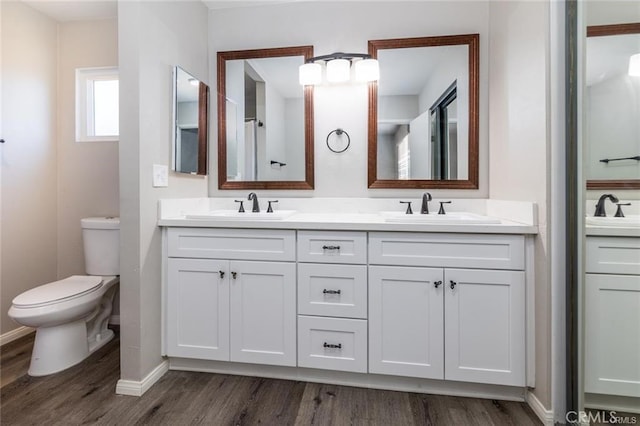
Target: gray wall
x: 153, y: 38
x: 346, y: 27
x: 29, y: 186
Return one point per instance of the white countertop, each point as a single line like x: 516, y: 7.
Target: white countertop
x: 610, y: 231
x: 352, y: 222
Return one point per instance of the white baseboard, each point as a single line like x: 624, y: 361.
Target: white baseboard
x: 14, y: 334
x: 545, y: 416
x: 362, y: 380
x: 133, y: 388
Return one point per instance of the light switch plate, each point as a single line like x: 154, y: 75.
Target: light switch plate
x: 160, y: 175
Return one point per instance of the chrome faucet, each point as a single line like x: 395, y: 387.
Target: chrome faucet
x: 256, y: 207
x: 426, y: 197
x: 600, y: 211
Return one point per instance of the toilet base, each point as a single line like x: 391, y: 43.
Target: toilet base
x: 100, y: 340
x: 58, y: 348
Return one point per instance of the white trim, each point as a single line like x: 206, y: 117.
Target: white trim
x: 133, y: 388
x: 344, y: 378
x: 624, y: 404
x: 14, y: 334
x: 530, y: 297
x: 545, y: 416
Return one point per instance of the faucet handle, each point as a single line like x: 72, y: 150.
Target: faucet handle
x: 269, y: 209
x: 619, y: 209
x: 442, y: 203
x: 408, y: 203
x: 241, y: 209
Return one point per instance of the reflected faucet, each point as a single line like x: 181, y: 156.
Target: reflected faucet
x: 256, y: 206
x: 426, y: 197
x: 600, y: 210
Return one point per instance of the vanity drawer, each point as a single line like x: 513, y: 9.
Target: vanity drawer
x: 222, y: 243
x: 332, y: 247
x: 332, y: 343
x: 447, y: 250
x: 336, y: 290
x: 613, y: 255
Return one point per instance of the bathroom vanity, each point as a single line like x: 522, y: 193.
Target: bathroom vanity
x: 352, y: 299
x: 612, y: 315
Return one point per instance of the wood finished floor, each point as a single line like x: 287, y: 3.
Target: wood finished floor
x: 85, y: 394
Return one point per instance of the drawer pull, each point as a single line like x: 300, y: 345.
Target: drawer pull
x: 325, y: 291
x: 235, y: 275
x: 221, y: 274
x: 453, y: 284
x: 437, y: 284
x: 332, y: 346
x: 330, y: 247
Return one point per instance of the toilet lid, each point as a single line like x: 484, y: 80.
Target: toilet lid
x: 68, y: 288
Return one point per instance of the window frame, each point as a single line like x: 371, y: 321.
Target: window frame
x: 84, y: 102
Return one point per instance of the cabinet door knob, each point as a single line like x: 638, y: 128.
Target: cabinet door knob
x: 234, y: 275
x: 453, y: 284
x: 332, y: 346
x: 325, y: 291
x: 221, y: 274
x: 437, y: 284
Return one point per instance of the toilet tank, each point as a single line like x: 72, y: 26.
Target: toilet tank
x: 101, y: 238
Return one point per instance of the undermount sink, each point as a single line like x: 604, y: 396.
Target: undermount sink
x: 629, y: 221
x: 434, y: 218
x: 235, y: 215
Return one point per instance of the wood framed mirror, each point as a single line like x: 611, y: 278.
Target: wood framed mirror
x: 423, y: 113
x: 612, y: 107
x: 265, y: 120
x: 190, y: 124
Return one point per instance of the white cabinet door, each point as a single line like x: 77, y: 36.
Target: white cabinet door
x: 405, y: 321
x: 263, y: 312
x: 612, y: 334
x: 197, y: 321
x: 485, y: 326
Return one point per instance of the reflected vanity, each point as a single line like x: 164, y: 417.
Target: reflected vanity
x: 612, y: 107
x: 265, y: 120
x: 190, y: 119
x: 423, y: 113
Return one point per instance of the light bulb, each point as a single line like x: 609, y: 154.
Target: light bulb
x: 338, y: 70
x: 367, y: 70
x: 634, y: 65
x: 310, y: 74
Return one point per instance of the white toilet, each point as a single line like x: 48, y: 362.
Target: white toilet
x: 71, y: 315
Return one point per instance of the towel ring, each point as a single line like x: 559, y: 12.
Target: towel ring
x: 338, y: 132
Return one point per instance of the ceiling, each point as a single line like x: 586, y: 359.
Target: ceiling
x: 78, y: 10
x: 82, y: 10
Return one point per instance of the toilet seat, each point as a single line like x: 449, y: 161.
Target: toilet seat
x: 58, y: 291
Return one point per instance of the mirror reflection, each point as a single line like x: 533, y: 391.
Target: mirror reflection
x: 190, y: 124
x: 423, y: 103
x: 612, y: 108
x: 423, y: 123
x: 265, y: 127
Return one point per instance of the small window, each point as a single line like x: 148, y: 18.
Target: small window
x: 97, y: 104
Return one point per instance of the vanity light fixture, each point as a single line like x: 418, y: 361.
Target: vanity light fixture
x: 338, y: 67
x: 634, y: 65
x: 193, y: 81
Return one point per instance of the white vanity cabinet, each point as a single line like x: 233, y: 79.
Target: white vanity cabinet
x: 231, y: 295
x: 612, y: 316
x: 332, y: 300
x: 390, y: 308
x: 431, y: 317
